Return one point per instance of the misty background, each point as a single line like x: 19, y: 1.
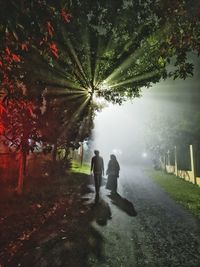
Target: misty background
x: 124, y: 130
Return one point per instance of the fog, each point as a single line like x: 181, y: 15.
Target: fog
x: 122, y: 129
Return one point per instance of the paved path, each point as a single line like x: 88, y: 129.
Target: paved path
x: 162, y: 233
x: 142, y: 227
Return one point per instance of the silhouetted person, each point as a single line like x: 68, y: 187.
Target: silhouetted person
x: 113, y: 174
x: 97, y: 167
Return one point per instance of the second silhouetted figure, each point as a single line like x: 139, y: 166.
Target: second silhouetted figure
x: 113, y: 173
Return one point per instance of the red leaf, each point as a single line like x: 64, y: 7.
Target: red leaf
x: 7, y: 50
x: 16, y: 58
x: 1, y: 64
x: 65, y: 16
x: 54, y: 49
x: 30, y: 108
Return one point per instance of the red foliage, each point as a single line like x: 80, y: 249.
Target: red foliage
x: 18, y: 123
x: 7, y: 50
x: 65, y: 16
x: 16, y: 58
x: 54, y: 49
x: 2, y: 129
x: 2, y: 109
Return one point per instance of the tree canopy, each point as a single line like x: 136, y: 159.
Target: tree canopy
x: 80, y: 49
x: 57, y: 57
x: 114, y: 48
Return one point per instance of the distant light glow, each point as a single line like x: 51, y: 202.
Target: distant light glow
x: 144, y: 155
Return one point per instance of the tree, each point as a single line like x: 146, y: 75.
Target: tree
x: 113, y: 48
x: 165, y: 132
x: 18, y: 125
x: 65, y: 125
x: 109, y: 49
x: 24, y: 26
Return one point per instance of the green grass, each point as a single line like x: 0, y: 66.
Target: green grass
x: 183, y: 192
x: 77, y: 168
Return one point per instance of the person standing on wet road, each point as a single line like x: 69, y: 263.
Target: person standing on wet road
x: 113, y: 174
x: 97, y: 168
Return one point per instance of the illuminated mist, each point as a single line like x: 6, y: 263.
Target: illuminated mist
x: 123, y: 130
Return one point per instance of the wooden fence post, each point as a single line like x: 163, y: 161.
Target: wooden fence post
x: 193, y: 167
x: 168, y: 158
x: 176, y: 165
x: 81, y: 152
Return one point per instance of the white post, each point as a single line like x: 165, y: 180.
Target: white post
x: 193, y: 164
x: 176, y: 166
x: 168, y: 158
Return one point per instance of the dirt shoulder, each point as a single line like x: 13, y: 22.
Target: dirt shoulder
x: 43, y: 202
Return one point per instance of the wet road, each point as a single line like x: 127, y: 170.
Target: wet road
x: 162, y: 233
x: 141, y: 226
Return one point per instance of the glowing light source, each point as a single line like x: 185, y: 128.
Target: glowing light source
x: 103, y: 86
x: 100, y: 101
x: 144, y: 155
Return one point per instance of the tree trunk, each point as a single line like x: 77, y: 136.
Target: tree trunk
x: 22, y: 171
x: 81, y: 152
x: 66, y: 153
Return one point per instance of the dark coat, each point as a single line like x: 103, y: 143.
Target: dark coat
x: 113, y: 168
x: 113, y: 174
x: 97, y: 165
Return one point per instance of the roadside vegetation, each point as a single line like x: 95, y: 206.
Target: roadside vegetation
x: 46, y: 196
x: 80, y: 168
x: 185, y: 193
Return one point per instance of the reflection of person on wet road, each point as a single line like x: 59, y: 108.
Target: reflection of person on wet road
x: 113, y: 174
x: 97, y: 167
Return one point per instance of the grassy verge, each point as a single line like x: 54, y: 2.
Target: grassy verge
x: 77, y: 168
x: 183, y: 192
